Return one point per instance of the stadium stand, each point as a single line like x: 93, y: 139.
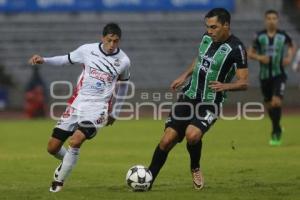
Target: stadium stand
x: 160, y: 45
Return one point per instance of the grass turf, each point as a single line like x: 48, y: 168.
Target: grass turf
x: 237, y: 162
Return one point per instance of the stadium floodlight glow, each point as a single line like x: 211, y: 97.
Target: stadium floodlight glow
x: 55, y: 83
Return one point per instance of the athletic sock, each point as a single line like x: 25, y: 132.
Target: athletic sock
x: 158, y: 160
x: 195, y: 154
x: 271, y: 115
x: 61, y: 153
x: 68, y: 163
x: 276, y: 126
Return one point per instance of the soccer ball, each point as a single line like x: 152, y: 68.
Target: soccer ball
x: 139, y: 178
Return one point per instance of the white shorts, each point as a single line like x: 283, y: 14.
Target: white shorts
x: 72, y: 117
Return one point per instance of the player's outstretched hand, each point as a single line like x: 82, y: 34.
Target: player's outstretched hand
x: 177, y: 83
x: 217, y: 86
x: 110, y: 121
x: 36, y: 59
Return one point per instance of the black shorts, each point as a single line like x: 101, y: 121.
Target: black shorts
x: 187, y: 111
x: 273, y: 87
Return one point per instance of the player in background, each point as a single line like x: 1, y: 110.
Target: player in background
x: 269, y: 49
x: 103, y: 64
x: 221, y: 56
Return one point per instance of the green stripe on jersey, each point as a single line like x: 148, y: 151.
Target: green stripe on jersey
x: 278, y: 52
x: 214, y: 70
x: 264, y: 43
x: 203, y: 47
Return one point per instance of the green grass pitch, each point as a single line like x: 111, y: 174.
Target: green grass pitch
x: 237, y: 162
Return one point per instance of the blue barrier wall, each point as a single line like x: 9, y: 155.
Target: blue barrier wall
x: 111, y: 5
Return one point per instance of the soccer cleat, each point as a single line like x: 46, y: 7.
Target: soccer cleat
x: 275, y: 139
x: 275, y: 142
x: 55, y: 175
x: 198, y: 179
x: 56, y: 186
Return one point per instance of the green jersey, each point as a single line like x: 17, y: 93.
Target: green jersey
x: 216, y: 61
x: 274, y: 48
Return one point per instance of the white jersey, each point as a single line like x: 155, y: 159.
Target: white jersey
x: 100, y: 73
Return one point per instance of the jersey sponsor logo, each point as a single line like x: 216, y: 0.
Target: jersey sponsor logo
x: 98, y: 86
x: 206, y: 63
x: 270, y: 50
x: 223, y: 49
x: 117, y: 63
x: 100, y: 75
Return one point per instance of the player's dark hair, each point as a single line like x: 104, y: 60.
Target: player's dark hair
x: 271, y: 12
x: 112, y: 28
x: 222, y: 14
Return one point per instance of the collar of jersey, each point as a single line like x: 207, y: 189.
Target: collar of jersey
x: 108, y: 54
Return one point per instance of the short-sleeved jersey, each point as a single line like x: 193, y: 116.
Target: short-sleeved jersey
x: 99, y: 75
x: 216, y: 61
x: 274, y: 48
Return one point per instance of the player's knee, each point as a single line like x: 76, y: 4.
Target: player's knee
x: 52, y: 150
x: 53, y: 146
x: 276, y: 102
x: 192, y: 137
x: 168, y: 140
x: 166, y: 144
x: 77, y: 139
x: 75, y: 142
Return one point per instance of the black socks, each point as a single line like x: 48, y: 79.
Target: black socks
x: 195, y: 154
x: 275, y: 115
x: 158, y: 160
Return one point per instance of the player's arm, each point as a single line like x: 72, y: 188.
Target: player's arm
x: 287, y: 60
x: 252, y: 54
x: 183, y: 77
x: 241, y: 82
x: 56, y: 60
x: 239, y: 59
x: 75, y: 56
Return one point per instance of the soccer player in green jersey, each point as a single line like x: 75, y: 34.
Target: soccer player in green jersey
x: 221, y: 56
x: 269, y: 49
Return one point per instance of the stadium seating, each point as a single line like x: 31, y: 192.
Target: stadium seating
x: 160, y: 45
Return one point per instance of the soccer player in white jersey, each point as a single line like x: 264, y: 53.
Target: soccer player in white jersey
x: 88, y: 109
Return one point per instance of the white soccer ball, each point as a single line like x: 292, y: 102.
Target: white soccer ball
x: 139, y: 178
